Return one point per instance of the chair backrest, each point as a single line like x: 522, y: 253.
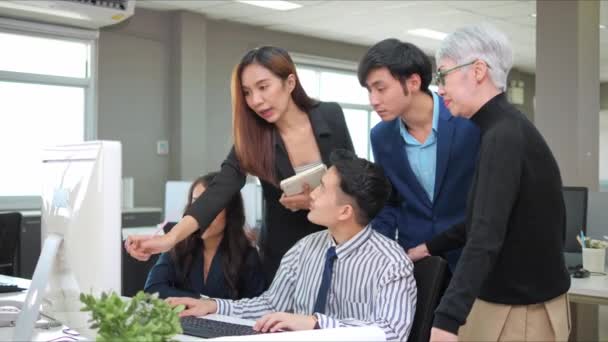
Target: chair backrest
x: 10, y: 228
x: 432, y: 278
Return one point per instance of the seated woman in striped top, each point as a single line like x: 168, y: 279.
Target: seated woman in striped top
x: 219, y: 263
x: 369, y: 276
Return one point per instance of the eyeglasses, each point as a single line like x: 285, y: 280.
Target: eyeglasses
x: 440, y: 75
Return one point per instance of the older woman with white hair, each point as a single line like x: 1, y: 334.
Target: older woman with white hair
x: 511, y: 280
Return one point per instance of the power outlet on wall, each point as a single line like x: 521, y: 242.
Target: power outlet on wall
x: 162, y: 147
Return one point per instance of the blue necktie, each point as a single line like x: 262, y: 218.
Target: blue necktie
x: 326, y: 280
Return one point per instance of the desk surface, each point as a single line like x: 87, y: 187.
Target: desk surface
x: 6, y: 334
x: 595, y: 285
x: 339, y: 334
x: 592, y: 290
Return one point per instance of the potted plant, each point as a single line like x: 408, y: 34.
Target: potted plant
x: 144, y: 317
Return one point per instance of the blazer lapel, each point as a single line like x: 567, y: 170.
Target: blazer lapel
x: 322, y: 133
x: 400, y: 155
x: 444, y: 142
x: 323, y: 138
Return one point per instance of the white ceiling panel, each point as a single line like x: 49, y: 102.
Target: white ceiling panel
x: 504, y: 9
x: 477, y: 4
x: 366, y: 22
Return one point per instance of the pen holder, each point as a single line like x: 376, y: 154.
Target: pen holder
x: 594, y: 259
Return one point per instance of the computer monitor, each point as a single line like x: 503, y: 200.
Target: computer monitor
x: 575, y: 199
x: 81, y: 222
x: 176, y: 199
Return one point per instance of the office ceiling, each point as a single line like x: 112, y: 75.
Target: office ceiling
x: 366, y: 22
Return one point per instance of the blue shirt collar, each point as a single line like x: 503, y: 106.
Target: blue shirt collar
x: 407, y: 136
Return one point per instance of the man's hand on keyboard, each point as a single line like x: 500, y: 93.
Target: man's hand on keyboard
x: 194, y: 307
x: 279, y: 321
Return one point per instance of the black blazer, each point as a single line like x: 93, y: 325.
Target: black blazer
x: 282, y: 228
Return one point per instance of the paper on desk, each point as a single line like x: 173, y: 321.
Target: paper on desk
x: 336, y: 334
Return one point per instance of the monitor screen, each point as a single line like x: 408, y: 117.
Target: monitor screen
x: 575, y: 199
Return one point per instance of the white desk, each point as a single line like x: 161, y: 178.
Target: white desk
x: 6, y: 334
x: 339, y: 334
x: 592, y: 290
x: 585, y: 295
x: 215, y: 317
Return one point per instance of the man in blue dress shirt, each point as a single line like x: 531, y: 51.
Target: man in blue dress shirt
x: 428, y: 155
x: 348, y: 275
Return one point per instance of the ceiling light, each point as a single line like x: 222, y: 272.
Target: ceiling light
x: 272, y: 4
x: 533, y: 15
x: 603, y: 27
x: 428, y: 33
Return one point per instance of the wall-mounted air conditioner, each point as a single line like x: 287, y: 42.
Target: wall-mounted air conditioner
x: 80, y: 13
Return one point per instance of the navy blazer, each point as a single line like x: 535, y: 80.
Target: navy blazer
x: 410, y: 211
x: 163, y: 278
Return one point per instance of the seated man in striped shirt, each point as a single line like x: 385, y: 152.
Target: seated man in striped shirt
x: 348, y: 275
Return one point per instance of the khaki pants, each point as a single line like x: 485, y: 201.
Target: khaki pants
x: 548, y: 321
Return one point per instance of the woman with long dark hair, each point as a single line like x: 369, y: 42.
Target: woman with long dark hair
x: 278, y: 131
x: 216, y: 261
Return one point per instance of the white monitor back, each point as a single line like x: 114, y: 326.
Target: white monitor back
x: 87, y: 178
x: 81, y: 221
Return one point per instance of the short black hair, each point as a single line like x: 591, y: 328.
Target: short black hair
x: 400, y: 58
x: 362, y: 180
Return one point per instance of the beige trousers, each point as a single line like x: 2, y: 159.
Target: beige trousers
x: 548, y: 321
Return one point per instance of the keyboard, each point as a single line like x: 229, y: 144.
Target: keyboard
x: 6, y: 288
x: 207, y: 328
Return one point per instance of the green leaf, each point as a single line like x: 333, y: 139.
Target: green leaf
x: 179, y: 308
x: 143, y: 318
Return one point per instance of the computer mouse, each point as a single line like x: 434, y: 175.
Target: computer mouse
x: 581, y: 273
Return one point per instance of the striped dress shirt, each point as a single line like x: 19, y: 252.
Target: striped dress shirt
x: 372, y: 284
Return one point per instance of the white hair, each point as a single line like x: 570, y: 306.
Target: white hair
x: 480, y: 41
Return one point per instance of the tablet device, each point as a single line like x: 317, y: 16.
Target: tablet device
x: 294, y: 184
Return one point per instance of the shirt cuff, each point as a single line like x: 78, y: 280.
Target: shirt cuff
x: 446, y: 323
x: 326, y: 322
x: 223, y: 307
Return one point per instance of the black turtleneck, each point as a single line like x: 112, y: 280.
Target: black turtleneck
x: 515, y: 225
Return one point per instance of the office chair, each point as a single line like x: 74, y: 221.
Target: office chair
x: 10, y: 229
x: 432, y: 278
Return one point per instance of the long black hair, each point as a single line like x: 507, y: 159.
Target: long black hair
x: 234, y: 246
x: 253, y: 136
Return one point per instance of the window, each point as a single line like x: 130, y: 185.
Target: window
x: 46, y: 98
x: 342, y: 86
x: 603, y: 151
x: 336, y: 81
